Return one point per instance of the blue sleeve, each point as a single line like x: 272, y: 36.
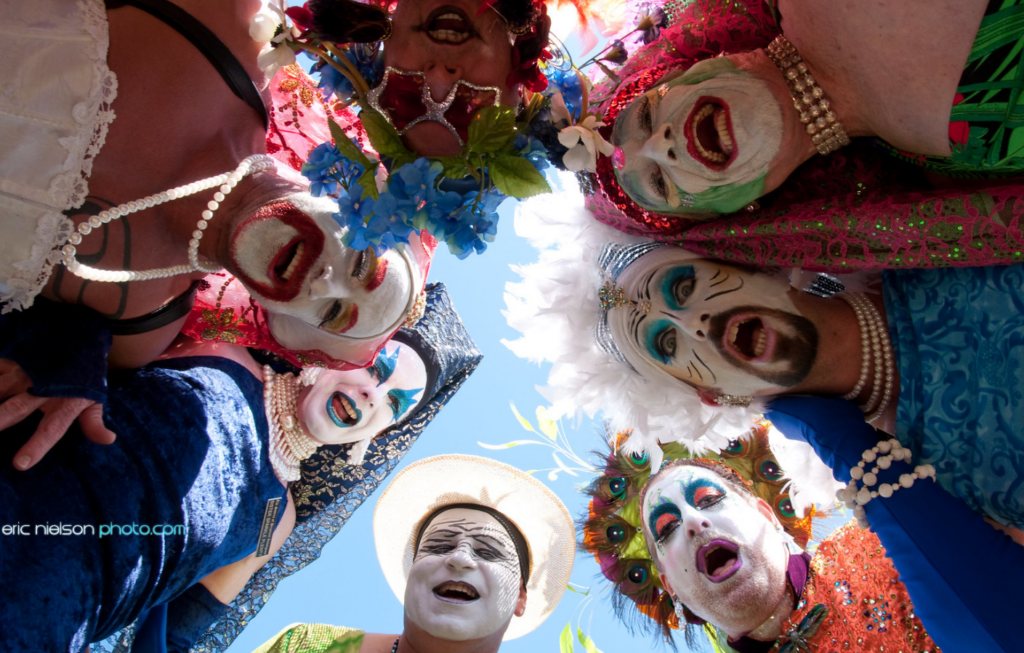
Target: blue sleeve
x: 963, y: 575
x: 62, y: 347
x: 176, y: 626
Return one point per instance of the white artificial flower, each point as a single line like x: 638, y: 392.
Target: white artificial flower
x: 264, y: 22
x: 277, y: 54
x: 273, y: 59
x: 584, y: 143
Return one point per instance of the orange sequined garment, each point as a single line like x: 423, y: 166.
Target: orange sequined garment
x: 868, y: 608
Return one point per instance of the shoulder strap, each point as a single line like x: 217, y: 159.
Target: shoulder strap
x: 210, y: 46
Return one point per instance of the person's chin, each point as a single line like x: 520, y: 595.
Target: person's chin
x: 432, y: 139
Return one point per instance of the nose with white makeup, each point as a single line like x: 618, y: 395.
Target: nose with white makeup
x: 661, y: 146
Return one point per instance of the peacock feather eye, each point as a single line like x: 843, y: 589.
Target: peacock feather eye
x: 785, y: 506
x: 616, y: 533
x: 637, y: 574
x: 639, y: 459
x: 736, y: 448
x: 617, y: 486
x: 769, y: 470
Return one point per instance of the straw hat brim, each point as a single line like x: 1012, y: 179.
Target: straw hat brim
x: 429, y: 484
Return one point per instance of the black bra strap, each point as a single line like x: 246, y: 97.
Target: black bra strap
x: 175, y: 309
x: 210, y: 46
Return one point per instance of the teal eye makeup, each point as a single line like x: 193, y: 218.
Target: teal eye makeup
x: 677, y: 286
x: 664, y: 519
x: 384, y: 366
x: 399, y: 401
x: 661, y: 341
x: 702, y: 492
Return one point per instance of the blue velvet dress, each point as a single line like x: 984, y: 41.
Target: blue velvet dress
x: 191, y: 454
x: 958, y: 334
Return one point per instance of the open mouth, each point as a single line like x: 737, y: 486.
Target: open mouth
x: 342, y: 410
x: 719, y: 560
x: 276, y: 272
x: 709, y: 134
x: 750, y: 339
x: 456, y: 592
x: 448, y: 25
x: 282, y: 268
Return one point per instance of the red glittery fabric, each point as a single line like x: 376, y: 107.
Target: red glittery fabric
x: 868, y: 607
x: 856, y: 209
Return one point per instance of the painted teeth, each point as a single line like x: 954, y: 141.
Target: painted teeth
x: 720, y: 127
x: 448, y: 35
x: 347, y: 405
x: 762, y: 338
x: 733, y: 332
x: 723, y: 132
x: 294, y: 264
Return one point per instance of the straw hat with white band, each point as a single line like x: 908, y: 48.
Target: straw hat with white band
x: 424, y: 486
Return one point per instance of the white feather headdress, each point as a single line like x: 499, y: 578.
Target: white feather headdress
x: 556, y: 308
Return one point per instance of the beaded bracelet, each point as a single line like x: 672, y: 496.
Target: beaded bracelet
x: 891, y: 450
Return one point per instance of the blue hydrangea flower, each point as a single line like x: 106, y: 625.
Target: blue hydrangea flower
x: 389, y: 228
x: 353, y: 213
x: 533, y: 150
x: 325, y: 166
x: 567, y: 83
x: 415, y: 182
x: 334, y: 83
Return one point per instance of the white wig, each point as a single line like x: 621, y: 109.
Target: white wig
x: 557, y: 310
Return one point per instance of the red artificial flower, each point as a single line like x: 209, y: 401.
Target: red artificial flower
x: 301, y: 16
x: 960, y: 130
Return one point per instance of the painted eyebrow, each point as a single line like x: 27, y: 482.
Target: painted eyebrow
x: 726, y: 292
x: 714, y: 377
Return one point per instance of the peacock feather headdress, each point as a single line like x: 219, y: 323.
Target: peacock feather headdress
x: 611, y: 529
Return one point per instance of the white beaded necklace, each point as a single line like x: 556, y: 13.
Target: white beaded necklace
x: 289, y: 443
x: 876, y: 346
x: 882, y: 455
x: 227, y: 182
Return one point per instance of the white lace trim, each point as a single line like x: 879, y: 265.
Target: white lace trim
x: 70, y: 188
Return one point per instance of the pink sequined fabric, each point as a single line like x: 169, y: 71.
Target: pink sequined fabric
x: 857, y: 209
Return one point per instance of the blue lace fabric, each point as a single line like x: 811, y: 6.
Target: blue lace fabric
x: 191, y: 454
x: 958, y: 335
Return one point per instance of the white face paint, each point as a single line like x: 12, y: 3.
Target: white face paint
x: 291, y: 258
x: 355, y: 405
x: 713, y: 325
x: 464, y: 582
x: 713, y: 126
x: 719, y: 551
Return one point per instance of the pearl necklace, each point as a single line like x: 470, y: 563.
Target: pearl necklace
x: 877, y: 348
x: 227, y: 182
x: 820, y: 122
x: 289, y: 443
x: 891, y: 450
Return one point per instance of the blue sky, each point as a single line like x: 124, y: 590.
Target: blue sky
x: 346, y: 587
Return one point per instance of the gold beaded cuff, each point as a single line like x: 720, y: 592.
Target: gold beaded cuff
x: 809, y: 99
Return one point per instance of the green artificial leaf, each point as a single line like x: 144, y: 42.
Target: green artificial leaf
x: 454, y: 167
x: 548, y: 426
x: 565, y: 641
x: 516, y: 177
x: 384, y: 137
x: 346, y: 147
x: 585, y: 591
x: 522, y: 420
x: 368, y: 180
x: 588, y: 643
x: 492, y: 129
